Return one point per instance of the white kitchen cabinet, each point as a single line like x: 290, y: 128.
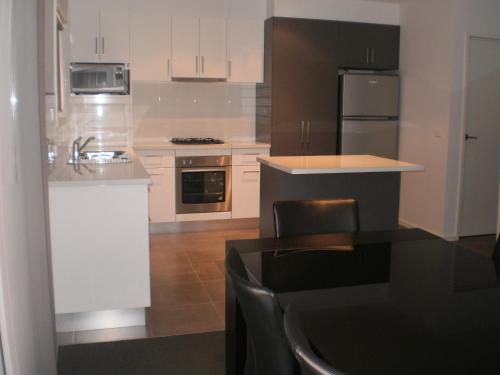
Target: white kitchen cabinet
x: 245, y: 50
x: 99, y: 30
x: 100, y: 247
x: 150, y: 40
x: 198, y: 47
x: 185, y: 47
x: 115, y: 38
x: 84, y: 30
x: 162, y: 195
x: 213, y: 48
x: 246, y: 191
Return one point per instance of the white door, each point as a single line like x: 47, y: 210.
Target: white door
x: 213, y: 48
x: 114, y: 27
x: 185, y: 47
x: 482, y: 148
x: 83, y: 21
x: 150, y: 40
x: 246, y: 191
x: 245, y: 49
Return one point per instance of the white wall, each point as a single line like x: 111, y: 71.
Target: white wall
x: 26, y: 320
x: 433, y: 55
x: 342, y: 10
x: 425, y: 101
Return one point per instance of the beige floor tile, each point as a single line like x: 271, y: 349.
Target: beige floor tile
x: 216, y: 290
x: 208, y: 270
x: 177, y: 295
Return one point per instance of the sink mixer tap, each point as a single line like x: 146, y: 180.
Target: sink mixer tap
x: 77, y: 148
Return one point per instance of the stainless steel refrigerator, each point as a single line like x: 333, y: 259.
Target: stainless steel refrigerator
x: 369, y: 110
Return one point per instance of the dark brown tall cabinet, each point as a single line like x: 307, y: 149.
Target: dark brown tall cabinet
x: 297, y: 103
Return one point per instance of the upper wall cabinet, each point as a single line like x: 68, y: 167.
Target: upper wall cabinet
x: 198, y: 47
x: 99, y: 30
x: 245, y: 50
x: 368, y: 46
x: 150, y: 40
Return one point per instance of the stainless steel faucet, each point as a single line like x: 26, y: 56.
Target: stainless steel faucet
x: 77, y: 148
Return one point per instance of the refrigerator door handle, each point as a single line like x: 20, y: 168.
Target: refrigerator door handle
x: 302, y: 132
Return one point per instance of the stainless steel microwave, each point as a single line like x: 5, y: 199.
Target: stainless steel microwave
x: 88, y: 78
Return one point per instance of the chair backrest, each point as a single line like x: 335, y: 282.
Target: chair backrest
x: 264, y: 319
x: 304, y: 217
x: 310, y: 363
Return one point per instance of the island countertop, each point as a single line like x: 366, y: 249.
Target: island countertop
x: 64, y: 174
x: 327, y: 164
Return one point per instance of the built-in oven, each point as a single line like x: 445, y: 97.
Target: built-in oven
x: 99, y: 78
x: 203, y: 184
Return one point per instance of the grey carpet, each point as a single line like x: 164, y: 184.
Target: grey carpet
x: 200, y: 354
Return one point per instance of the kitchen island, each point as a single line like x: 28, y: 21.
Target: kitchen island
x: 100, y: 244
x: 373, y: 181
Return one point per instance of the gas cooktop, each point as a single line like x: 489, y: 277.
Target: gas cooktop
x: 196, y: 141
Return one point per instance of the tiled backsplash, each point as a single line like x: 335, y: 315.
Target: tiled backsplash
x: 160, y: 111
x: 188, y: 109
x: 107, y: 118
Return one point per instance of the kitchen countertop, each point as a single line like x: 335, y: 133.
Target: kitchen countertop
x: 170, y: 146
x: 62, y: 174
x: 326, y: 164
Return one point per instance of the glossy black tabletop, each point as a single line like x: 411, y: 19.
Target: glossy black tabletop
x: 388, y: 304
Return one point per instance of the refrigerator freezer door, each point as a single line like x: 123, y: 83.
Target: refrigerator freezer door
x: 370, y: 95
x: 378, y: 138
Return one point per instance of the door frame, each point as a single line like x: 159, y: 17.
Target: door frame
x: 463, y: 124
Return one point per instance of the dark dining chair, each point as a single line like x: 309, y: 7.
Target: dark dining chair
x: 310, y: 363
x: 269, y: 353
x: 304, y: 217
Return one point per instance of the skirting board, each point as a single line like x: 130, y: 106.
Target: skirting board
x: 92, y: 320
x: 448, y: 237
x: 200, y: 226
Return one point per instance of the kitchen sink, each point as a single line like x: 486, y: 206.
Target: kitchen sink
x: 102, y: 157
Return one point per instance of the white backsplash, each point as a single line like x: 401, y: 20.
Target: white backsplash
x: 193, y: 109
x: 105, y: 117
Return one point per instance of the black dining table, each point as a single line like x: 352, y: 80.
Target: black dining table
x: 391, y: 302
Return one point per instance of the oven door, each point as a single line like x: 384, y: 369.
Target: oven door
x: 206, y: 189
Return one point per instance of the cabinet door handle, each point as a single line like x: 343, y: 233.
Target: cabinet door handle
x: 308, y: 131
x: 367, y: 55
x: 102, y: 46
x: 229, y: 69
x: 202, y: 64
x: 96, y: 46
x: 302, y: 132
x: 373, y: 55
x: 196, y: 64
x: 168, y: 68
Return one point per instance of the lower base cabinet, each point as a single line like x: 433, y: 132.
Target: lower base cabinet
x: 162, y: 195
x: 100, y: 247
x: 246, y: 189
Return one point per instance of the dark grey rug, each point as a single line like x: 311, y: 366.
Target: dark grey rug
x: 201, y: 354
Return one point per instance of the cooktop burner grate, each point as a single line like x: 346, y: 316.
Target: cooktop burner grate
x: 197, y: 141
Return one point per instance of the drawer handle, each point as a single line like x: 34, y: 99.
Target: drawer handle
x: 251, y: 171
